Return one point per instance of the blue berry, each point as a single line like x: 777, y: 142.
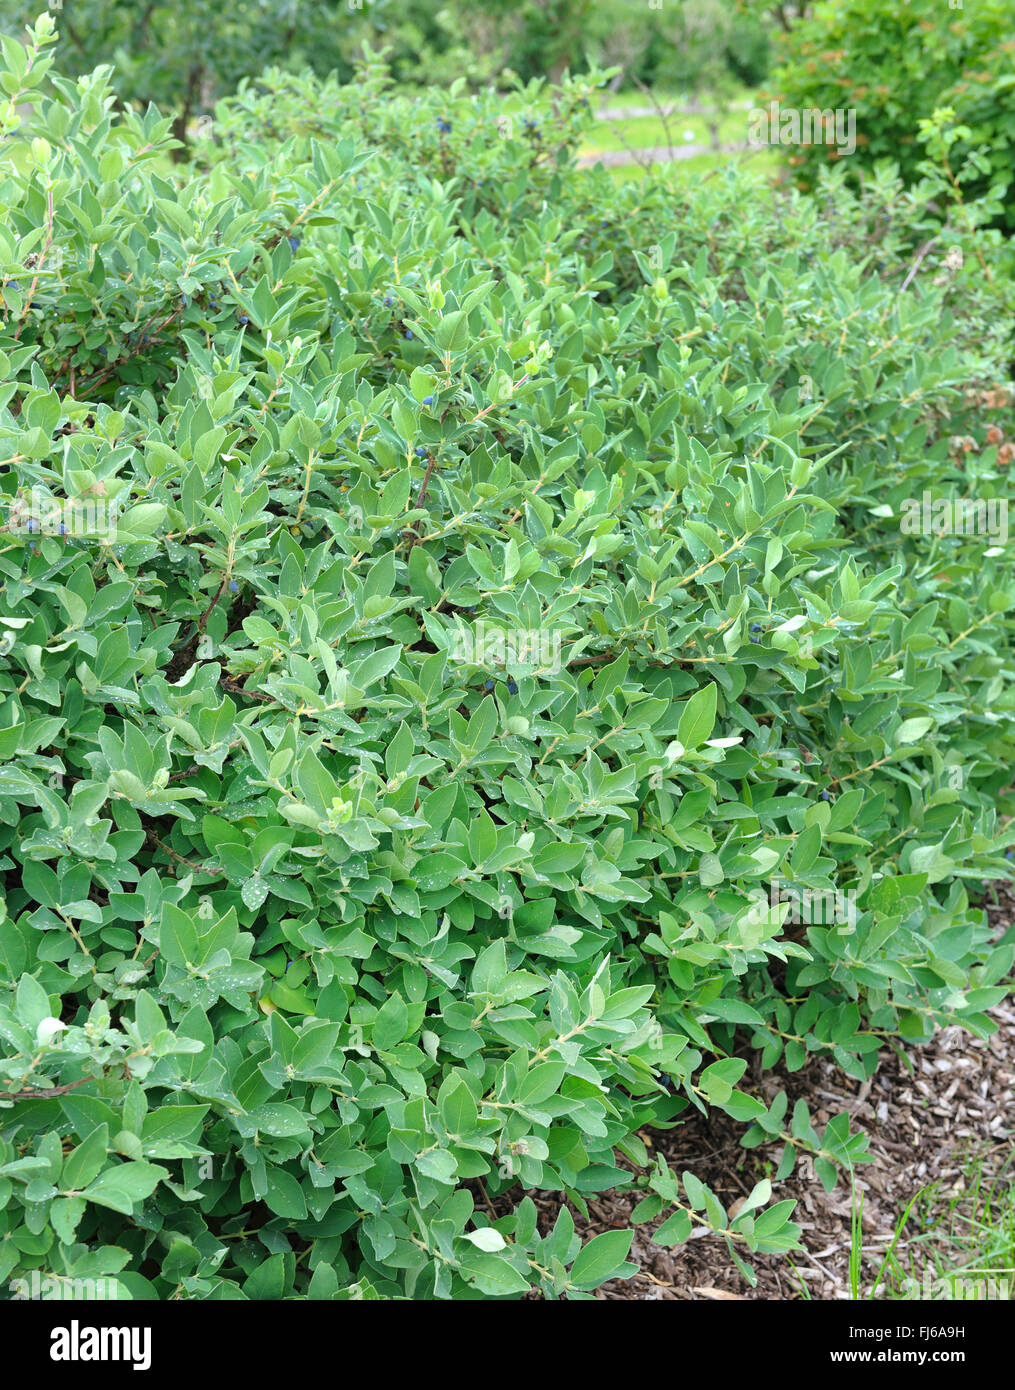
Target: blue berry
x: 387, y: 301
x: 213, y: 303
x: 1010, y: 854
x: 102, y: 352
x: 755, y: 627
x: 183, y: 300
x: 63, y: 529
x: 294, y: 242
x: 443, y: 126
x: 233, y: 586
x: 244, y: 318
x: 825, y: 796
x: 488, y: 685
x: 512, y: 687
x: 428, y: 400
x: 756, y: 641
x: 408, y: 332
x: 420, y: 451
x: 33, y: 525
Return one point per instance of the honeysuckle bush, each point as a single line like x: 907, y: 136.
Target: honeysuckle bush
x: 443, y: 594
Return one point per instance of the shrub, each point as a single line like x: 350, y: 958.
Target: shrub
x: 493, y: 581
x: 894, y: 65
x: 982, y: 116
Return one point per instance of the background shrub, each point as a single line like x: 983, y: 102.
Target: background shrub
x: 327, y: 912
x: 894, y: 65
x: 183, y: 56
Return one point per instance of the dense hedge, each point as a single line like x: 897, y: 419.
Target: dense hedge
x: 507, y: 586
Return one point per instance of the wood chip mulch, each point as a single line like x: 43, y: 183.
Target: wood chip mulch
x: 933, y: 1119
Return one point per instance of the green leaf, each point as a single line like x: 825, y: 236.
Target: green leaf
x: 675, y: 1230
x: 458, y: 1109
x: 491, y: 1274
x: 540, y: 1083
x: 391, y: 1023
x: 601, y: 1258
x: 268, y: 1281
x: 486, y: 1239
x: 125, y: 1186
x: 697, y: 718
x: 65, y: 1215
x: 284, y: 1195
x: 86, y: 1162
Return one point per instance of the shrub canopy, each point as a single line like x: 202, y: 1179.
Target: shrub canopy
x: 479, y: 585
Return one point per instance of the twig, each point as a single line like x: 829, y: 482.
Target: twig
x: 40, y: 262
x: 47, y: 1094
x: 917, y: 263
x: 207, y: 612
x: 199, y: 868
x: 659, y: 112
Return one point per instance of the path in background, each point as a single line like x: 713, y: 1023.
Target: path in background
x: 631, y: 113
x: 629, y: 139
x: 660, y: 154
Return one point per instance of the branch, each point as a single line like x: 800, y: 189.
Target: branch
x: 47, y: 1094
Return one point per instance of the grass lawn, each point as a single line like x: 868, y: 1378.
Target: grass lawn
x: 698, y: 167
x: 677, y: 129
x: 961, y: 1241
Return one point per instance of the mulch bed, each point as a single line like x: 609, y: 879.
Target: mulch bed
x: 927, y: 1121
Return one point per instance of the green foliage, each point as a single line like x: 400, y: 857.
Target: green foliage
x: 895, y: 65
x: 704, y: 44
x: 185, y: 54
x: 182, y: 54
x: 473, y: 594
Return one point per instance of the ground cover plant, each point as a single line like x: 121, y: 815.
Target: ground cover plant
x: 443, y: 593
